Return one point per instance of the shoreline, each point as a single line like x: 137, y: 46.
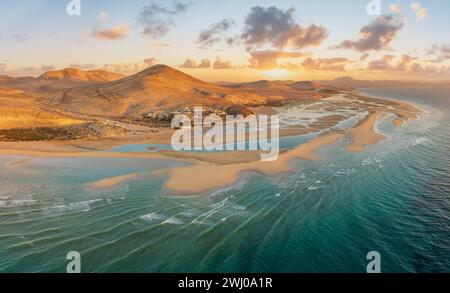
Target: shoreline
x: 364, y: 134
x: 202, y: 178
x: 214, y: 170
x: 112, y: 181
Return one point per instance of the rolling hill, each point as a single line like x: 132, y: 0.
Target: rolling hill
x: 71, y: 77
x: 9, y: 81
x: 59, y: 79
x: 158, y: 88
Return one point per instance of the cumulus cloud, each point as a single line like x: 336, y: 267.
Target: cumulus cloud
x: 47, y: 67
x: 407, y: 67
x: 190, y: 63
x: 269, y: 58
x: 419, y: 10
x: 129, y: 68
x: 215, y: 33
x: 122, y: 68
x: 83, y: 66
x: 7, y: 69
x: 278, y: 28
x: 404, y: 62
x: 430, y: 70
x: 381, y: 64
x: 222, y: 64
x: 441, y: 52
x: 377, y: 35
x: 364, y: 57
x: 157, y: 19
x: 117, y: 32
x: 150, y: 61
x: 395, y: 8
x: 330, y: 64
x: 386, y: 63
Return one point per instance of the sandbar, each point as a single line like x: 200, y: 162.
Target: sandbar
x: 112, y: 181
x: 205, y: 177
x: 364, y: 134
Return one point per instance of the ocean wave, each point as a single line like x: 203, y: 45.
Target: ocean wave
x: 75, y: 206
x: 151, y: 217
x: 17, y: 203
x: 173, y: 221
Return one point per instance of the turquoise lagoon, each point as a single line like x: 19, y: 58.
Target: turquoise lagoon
x: 394, y: 198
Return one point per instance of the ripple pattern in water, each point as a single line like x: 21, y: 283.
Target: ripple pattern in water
x: 395, y: 199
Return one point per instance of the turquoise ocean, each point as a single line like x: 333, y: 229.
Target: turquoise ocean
x: 394, y: 198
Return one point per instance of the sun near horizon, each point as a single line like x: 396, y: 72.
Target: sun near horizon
x: 236, y: 42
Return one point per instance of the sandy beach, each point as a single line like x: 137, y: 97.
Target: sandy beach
x: 213, y: 170
x: 201, y: 178
x: 364, y: 134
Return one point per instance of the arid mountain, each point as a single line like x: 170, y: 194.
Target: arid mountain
x: 8, y: 81
x: 71, y: 77
x: 59, y: 79
x: 158, y: 88
x: 281, y: 89
x: 264, y: 85
x: 73, y: 74
x: 306, y: 85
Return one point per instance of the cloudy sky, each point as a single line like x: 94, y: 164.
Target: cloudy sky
x: 234, y: 40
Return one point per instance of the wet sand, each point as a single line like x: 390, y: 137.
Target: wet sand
x: 112, y: 181
x: 19, y: 163
x: 219, y: 172
x: 213, y: 170
x: 201, y: 178
x: 364, y: 134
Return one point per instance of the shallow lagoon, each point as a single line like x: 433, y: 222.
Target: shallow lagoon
x: 325, y: 217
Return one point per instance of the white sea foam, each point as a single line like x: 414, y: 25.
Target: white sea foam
x: 82, y: 205
x: 74, y: 206
x: 151, y: 217
x: 173, y: 221
x: 17, y: 203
